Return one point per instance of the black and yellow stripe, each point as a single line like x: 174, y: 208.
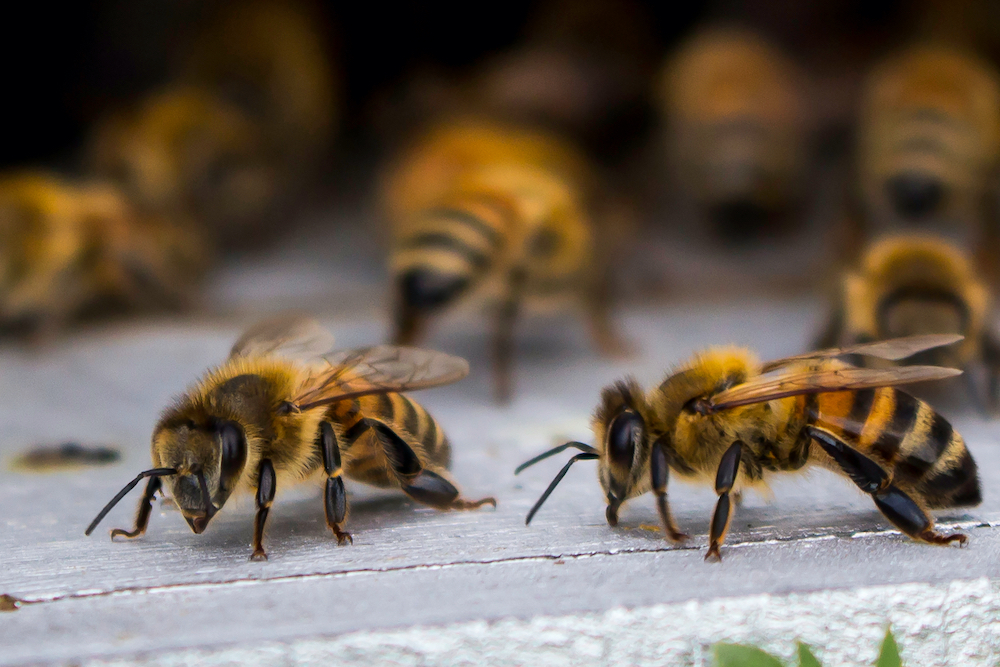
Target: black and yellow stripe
x: 918, y: 445
x: 406, y: 439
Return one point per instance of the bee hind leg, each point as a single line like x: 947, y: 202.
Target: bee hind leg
x: 432, y: 489
x: 335, y: 497
x: 725, y: 477
x: 898, y: 507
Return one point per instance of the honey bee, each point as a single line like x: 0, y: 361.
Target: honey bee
x: 71, y: 249
x: 498, y: 213
x: 282, y: 409
x: 271, y: 60
x: 184, y: 152
x: 911, y: 284
x: 929, y: 140
x: 724, y: 418
x: 736, y: 118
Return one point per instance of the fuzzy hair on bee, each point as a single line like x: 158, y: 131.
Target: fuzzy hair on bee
x: 727, y: 420
x: 736, y: 133
x: 929, y: 142
x: 185, y: 152
x: 76, y: 249
x: 285, y: 408
x: 484, y: 213
x: 912, y: 284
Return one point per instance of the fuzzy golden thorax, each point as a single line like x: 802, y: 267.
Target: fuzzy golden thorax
x: 690, y: 432
x: 216, y: 434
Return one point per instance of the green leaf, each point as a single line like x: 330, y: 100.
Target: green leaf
x: 737, y: 655
x: 889, y: 655
x: 806, y: 657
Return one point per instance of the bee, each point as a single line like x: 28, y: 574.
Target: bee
x: 911, y: 284
x: 499, y: 213
x: 184, y: 152
x: 283, y: 409
x: 736, y: 118
x: 70, y: 249
x: 724, y: 418
x: 929, y: 140
x: 270, y: 59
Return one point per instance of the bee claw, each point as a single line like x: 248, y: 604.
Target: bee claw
x: 713, y: 555
x: 258, y: 556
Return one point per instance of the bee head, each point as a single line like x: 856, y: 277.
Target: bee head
x: 209, y: 459
x: 622, y: 453
x: 623, y: 440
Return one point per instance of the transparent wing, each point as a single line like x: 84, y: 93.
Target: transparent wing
x: 815, y: 381
x: 893, y: 349
x: 292, y: 336
x: 376, y: 370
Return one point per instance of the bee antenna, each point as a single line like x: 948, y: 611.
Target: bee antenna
x: 555, y: 450
x: 155, y: 472
x: 585, y: 456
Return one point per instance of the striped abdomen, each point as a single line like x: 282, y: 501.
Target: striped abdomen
x: 447, y: 249
x: 387, y: 436
x: 919, y: 446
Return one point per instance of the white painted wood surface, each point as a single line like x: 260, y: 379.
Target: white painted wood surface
x: 172, y: 591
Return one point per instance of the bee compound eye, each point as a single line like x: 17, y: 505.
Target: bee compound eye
x: 625, y: 431
x: 234, y: 453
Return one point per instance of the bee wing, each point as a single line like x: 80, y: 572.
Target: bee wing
x: 376, y: 370
x: 815, y: 381
x: 292, y: 336
x: 893, y: 349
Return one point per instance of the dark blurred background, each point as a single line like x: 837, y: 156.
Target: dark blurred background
x: 65, y: 65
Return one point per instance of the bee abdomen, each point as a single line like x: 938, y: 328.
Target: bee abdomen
x: 423, y: 427
x: 448, y: 250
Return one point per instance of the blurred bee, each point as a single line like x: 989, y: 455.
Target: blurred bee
x: 185, y: 152
x: 735, y: 111
x: 270, y: 59
x: 929, y: 142
x: 907, y: 285
x: 726, y: 419
x: 69, y: 250
x: 499, y: 213
x: 282, y: 409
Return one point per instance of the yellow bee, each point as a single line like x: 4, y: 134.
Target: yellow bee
x: 283, y: 409
x: 912, y: 284
x: 736, y: 118
x: 186, y: 152
x: 503, y: 214
x: 271, y: 60
x: 929, y: 140
x: 73, y: 249
x: 724, y: 418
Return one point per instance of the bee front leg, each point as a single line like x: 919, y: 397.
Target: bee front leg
x: 659, y: 472
x: 336, y: 494
x: 142, y: 514
x: 894, y: 503
x: 266, y: 484
x: 725, y: 477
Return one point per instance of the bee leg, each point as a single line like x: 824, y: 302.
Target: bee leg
x: 142, y: 514
x: 265, y: 496
x: 598, y: 303
x: 659, y: 472
x: 725, y: 477
x: 870, y: 477
x: 433, y: 489
x: 503, y: 337
x: 336, y: 494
